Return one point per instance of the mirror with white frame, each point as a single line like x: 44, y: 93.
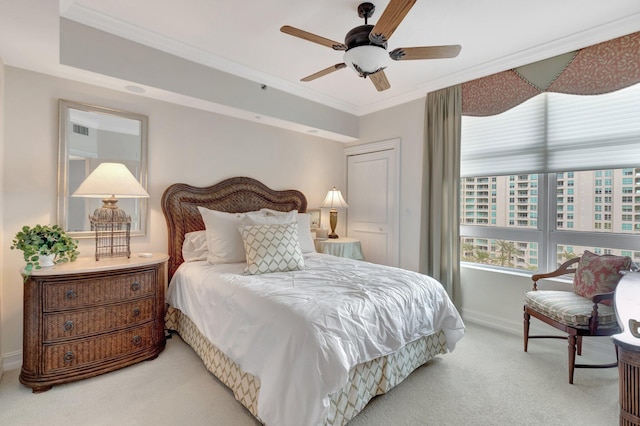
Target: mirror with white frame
x: 90, y: 135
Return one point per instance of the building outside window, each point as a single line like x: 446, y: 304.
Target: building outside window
x: 565, y: 178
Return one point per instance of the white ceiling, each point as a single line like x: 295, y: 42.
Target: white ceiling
x: 243, y: 38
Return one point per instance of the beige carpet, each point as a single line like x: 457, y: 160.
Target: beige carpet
x: 487, y: 380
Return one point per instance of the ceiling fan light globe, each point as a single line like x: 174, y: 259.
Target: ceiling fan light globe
x: 367, y: 59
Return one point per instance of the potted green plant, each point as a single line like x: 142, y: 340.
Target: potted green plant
x: 45, y: 241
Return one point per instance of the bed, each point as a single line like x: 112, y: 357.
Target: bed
x: 317, y: 373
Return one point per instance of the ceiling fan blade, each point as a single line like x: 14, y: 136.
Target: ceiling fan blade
x: 425, y: 52
x: 391, y: 17
x: 379, y: 80
x: 325, y: 71
x: 312, y: 37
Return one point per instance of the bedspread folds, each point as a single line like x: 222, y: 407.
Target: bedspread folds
x: 301, y: 332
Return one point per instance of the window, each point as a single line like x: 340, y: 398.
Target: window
x: 536, y: 142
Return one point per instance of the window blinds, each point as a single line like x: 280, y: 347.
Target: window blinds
x: 555, y: 132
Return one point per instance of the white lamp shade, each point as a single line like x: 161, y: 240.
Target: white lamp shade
x: 334, y: 199
x: 111, y: 179
x: 368, y: 58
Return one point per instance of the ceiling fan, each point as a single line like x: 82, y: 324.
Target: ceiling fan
x: 365, y: 46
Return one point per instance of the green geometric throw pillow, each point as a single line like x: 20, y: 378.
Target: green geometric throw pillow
x: 272, y: 248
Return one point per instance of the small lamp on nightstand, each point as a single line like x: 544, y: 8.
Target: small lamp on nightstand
x: 111, y: 224
x: 333, y: 200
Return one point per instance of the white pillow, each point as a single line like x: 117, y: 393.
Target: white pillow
x: 223, y: 239
x: 195, y: 246
x: 271, y: 217
x: 304, y: 233
x: 304, y: 228
x: 271, y: 248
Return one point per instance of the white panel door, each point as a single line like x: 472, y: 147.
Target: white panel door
x: 373, y: 204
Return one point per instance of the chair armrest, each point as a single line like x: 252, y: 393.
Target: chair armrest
x: 562, y: 270
x: 599, y: 297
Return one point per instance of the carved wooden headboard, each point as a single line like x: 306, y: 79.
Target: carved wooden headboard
x: 234, y: 195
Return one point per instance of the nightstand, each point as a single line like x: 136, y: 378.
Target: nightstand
x: 343, y: 247
x: 89, y: 317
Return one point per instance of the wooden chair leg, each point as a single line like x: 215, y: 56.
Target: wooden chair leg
x: 579, y: 342
x: 526, y: 330
x: 572, y: 357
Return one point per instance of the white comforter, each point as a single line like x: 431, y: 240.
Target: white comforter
x: 301, y: 332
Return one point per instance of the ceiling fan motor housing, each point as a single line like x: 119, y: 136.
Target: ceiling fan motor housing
x: 359, y: 36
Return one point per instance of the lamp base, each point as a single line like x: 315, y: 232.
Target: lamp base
x: 333, y: 221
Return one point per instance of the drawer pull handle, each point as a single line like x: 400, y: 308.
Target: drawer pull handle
x: 68, y: 326
x: 135, y: 286
x: 135, y: 312
x: 137, y: 340
x: 70, y: 295
x: 69, y: 356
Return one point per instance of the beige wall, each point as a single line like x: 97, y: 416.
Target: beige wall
x: 185, y: 145
x: 406, y: 122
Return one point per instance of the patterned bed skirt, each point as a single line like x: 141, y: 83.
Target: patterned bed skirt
x: 366, y: 380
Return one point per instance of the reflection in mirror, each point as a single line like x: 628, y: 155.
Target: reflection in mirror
x: 91, y: 135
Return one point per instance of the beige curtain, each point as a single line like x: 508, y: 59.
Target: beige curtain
x: 440, y: 233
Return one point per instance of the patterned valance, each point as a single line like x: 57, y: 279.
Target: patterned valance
x: 602, y: 68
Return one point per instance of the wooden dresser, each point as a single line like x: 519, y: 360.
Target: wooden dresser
x: 90, y: 317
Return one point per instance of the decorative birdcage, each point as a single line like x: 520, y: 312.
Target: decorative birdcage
x: 112, y: 227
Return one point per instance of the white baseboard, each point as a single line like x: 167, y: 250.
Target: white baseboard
x: 490, y: 321
x: 11, y: 361
x: 600, y: 346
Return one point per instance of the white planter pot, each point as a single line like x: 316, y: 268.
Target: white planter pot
x: 46, y: 260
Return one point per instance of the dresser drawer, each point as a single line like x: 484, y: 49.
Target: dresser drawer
x: 85, y: 352
x: 72, y: 324
x: 99, y: 290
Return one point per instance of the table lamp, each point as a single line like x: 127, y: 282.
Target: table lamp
x: 112, y: 225
x: 333, y: 200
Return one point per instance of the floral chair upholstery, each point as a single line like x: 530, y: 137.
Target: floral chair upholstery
x: 586, y: 311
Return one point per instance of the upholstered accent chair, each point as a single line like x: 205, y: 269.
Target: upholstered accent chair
x: 585, y: 311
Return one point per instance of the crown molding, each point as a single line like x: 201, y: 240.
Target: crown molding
x: 97, y: 20
x: 546, y: 50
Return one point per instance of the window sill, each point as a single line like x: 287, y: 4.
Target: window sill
x: 496, y: 269
x: 511, y: 272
